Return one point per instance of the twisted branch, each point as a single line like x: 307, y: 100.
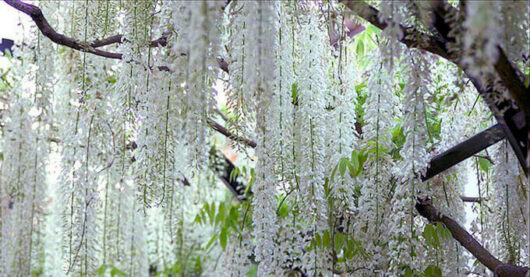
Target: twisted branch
x: 89, y: 47
x: 427, y: 210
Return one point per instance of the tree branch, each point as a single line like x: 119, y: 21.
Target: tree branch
x: 89, y: 47
x: 412, y: 37
x: 160, y: 42
x: 221, y: 129
x: 47, y: 30
x: 463, y: 150
x: 508, y: 73
x: 501, y: 269
x: 107, y: 41
x: 515, y: 128
x: 471, y: 199
x: 36, y: 15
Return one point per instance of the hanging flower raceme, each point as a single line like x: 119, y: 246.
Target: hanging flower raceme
x: 509, y: 221
x: 392, y: 14
x: 402, y: 233
x: 108, y: 166
x: 24, y: 150
x: 240, y: 99
x: 201, y: 75
x: 311, y: 94
x: 380, y: 113
x: 340, y: 115
x: 263, y: 32
x: 482, y: 36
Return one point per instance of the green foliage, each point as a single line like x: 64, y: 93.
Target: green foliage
x: 484, y: 164
x: 252, y: 271
x: 346, y: 246
x: 294, y: 93
x: 354, y: 165
x: 434, y: 233
x: 225, y: 218
x: 283, y: 209
x: 364, y: 43
x: 359, y: 105
x: 431, y: 236
x: 246, y: 173
x: 106, y: 270
x: 430, y: 271
x: 183, y: 267
x: 111, y: 78
x: 398, y: 138
x: 375, y: 150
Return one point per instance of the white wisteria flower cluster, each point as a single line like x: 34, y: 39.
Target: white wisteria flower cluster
x: 259, y: 138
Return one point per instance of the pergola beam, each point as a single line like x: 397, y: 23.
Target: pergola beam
x: 463, y: 150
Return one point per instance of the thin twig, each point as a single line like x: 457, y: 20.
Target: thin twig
x: 221, y: 129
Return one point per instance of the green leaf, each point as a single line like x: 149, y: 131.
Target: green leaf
x: 233, y: 174
x: 233, y: 214
x: 326, y: 239
x: 484, y: 164
x: 408, y: 272
x: 333, y: 172
x: 443, y: 232
x: 221, y: 214
x: 338, y: 241
x: 212, y: 240
x: 223, y: 237
x: 360, y: 48
x: 342, y: 166
x: 252, y: 180
x: 432, y: 271
x: 210, y: 210
x: 318, y: 240
x: 111, y: 79
x: 116, y: 272
x: 431, y: 235
x: 363, y: 156
x: 398, y: 137
x: 198, y: 265
x: 102, y: 269
x: 252, y: 271
x: 351, y: 169
x: 294, y: 93
x: 355, y: 163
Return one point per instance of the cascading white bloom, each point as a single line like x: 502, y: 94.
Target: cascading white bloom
x: 133, y: 142
x: 284, y: 86
x: 483, y: 34
x: 25, y: 146
x: 380, y: 113
x: 341, y: 135
x: 264, y: 33
x: 240, y: 46
x: 237, y: 262
x: 201, y: 75
x: 158, y: 240
x: 508, y: 217
x: 515, y: 34
x: 402, y: 231
x: 392, y: 14
x: 310, y: 98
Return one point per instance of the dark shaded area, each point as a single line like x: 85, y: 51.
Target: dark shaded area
x: 6, y: 44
